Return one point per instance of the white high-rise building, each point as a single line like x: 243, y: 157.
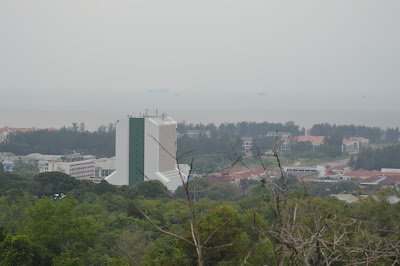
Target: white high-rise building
x: 146, y: 150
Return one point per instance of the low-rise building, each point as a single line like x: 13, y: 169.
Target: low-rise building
x: 81, y: 167
x: 390, y: 170
x: 3, y: 136
x: 196, y: 133
x: 315, y: 141
x: 104, y: 167
x: 8, y: 165
x: 6, y: 131
x: 353, y: 145
x: 236, y: 175
x: 285, y: 144
x: 278, y: 134
x: 361, y: 174
x: 384, y: 178
x: 247, y: 144
x: 309, y: 172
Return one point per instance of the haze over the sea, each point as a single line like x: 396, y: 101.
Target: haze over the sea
x: 210, y: 61
x: 304, y: 118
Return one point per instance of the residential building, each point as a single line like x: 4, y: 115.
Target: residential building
x: 278, y: 134
x: 353, y: 145
x: 3, y: 136
x: 6, y: 131
x: 196, y: 133
x: 247, y: 144
x: 315, y: 141
x: 283, y: 140
x: 285, y: 144
x: 146, y: 150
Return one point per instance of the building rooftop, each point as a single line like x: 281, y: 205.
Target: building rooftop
x: 315, y: 140
x: 390, y: 170
x: 391, y: 180
x: 373, y: 180
x: 16, y: 130
x: 352, y: 140
x: 236, y: 175
x: 359, y: 139
x: 380, y: 178
x: 363, y: 173
x: 162, y: 120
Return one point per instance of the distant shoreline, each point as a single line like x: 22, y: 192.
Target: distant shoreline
x: 304, y: 118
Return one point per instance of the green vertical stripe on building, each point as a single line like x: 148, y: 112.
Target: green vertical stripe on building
x: 136, y: 150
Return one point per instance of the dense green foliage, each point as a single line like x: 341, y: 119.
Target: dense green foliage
x: 243, y: 129
x: 100, y: 143
x: 222, y: 139
x: 99, y: 224
x: 222, y: 142
x: 330, y: 149
x: 214, y: 151
x: 204, y: 145
x: 374, y: 134
x: 376, y: 159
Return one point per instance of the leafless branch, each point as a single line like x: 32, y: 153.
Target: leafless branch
x: 165, y: 231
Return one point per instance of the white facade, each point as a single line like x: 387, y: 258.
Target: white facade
x: 160, y: 155
x: 354, y: 145
x: 79, y: 167
x: 390, y: 170
x: 3, y: 136
x: 121, y: 174
x: 155, y: 159
x: 247, y: 144
x: 318, y: 171
x: 8, y: 165
x: 104, y: 167
x: 196, y: 133
x: 284, y: 144
x: 151, y: 153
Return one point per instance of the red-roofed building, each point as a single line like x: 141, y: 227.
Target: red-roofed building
x: 391, y: 181
x: 362, y: 174
x: 314, y: 140
x: 375, y: 178
x: 235, y: 175
x: 383, y: 181
x: 5, y: 131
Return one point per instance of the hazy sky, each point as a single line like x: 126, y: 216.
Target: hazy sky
x: 94, y: 60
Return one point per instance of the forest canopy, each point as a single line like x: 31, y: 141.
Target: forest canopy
x: 53, y: 219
